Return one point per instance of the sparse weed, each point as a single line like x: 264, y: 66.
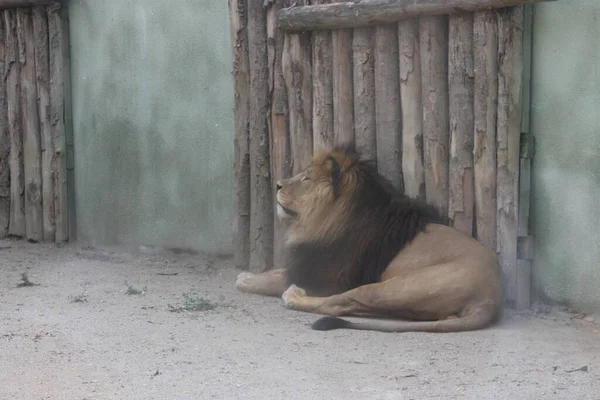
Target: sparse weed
x: 79, y: 298
x: 193, y: 303
x: 133, y: 291
x: 25, y: 282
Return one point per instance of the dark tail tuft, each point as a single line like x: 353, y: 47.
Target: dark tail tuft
x: 329, y: 323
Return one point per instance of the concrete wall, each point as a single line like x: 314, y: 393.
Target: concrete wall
x: 565, y: 113
x: 152, y: 122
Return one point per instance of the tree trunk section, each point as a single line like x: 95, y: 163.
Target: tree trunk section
x: 387, y: 104
x: 460, y: 87
x: 434, y: 94
x: 510, y: 34
x: 4, y: 4
x: 13, y: 98
x: 261, y: 215
x: 412, y: 109
x: 4, y: 141
x: 322, y: 64
x: 343, y: 107
x: 31, y: 128
x: 296, y: 65
x: 59, y: 59
x: 42, y: 69
x: 485, y: 51
x: 241, y: 77
x: 279, y: 135
x: 363, y: 62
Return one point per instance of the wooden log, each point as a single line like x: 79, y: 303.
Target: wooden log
x: 241, y: 77
x: 361, y: 13
x: 279, y: 135
x: 297, y: 71
x: 58, y: 36
x: 343, y: 92
x: 413, y: 171
x: 4, y: 4
x: 485, y: 51
x: 434, y: 94
x: 387, y: 104
x: 461, y: 201
x: 4, y: 141
x: 363, y: 74
x: 510, y: 69
x: 322, y: 67
x: 31, y: 128
x: 13, y: 96
x: 42, y: 70
x: 261, y: 200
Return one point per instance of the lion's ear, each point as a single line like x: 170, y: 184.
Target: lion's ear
x: 335, y: 172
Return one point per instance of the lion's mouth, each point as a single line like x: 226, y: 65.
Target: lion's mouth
x: 287, y: 210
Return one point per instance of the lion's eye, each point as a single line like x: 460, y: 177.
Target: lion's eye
x: 304, y: 179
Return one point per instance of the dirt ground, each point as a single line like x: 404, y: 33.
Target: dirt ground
x: 83, y: 330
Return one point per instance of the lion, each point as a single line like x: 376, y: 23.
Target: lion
x: 356, y: 247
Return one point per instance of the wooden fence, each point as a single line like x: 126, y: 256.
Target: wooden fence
x: 433, y: 95
x: 33, y: 87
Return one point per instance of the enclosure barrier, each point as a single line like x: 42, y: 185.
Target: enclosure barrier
x: 432, y: 90
x: 34, y: 66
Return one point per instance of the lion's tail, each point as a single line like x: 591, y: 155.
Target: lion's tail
x: 479, y: 319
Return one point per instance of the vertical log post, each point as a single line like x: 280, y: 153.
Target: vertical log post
x: 343, y: 92
x: 434, y: 89
x: 297, y: 72
x: 59, y: 93
x: 241, y: 222
x: 279, y: 135
x: 510, y: 35
x: 363, y: 62
x: 387, y: 104
x: 485, y: 51
x: 322, y: 64
x: 42, y: 69
x: 261, y: 213
x: 413, y: 171
x: 4, y: 140
x: 31, y: 128
x: 13, y: 98
x: 460, y: 87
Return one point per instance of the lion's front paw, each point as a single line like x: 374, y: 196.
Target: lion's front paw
x: 292, y: 295
x: 243, y: 282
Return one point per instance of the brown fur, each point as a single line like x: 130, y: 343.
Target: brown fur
x: 356, y: 247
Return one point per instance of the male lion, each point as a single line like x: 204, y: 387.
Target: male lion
x: 355, y: 247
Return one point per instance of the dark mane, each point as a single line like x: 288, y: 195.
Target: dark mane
x: 383, y: 221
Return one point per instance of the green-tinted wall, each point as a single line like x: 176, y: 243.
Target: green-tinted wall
x: 152, y: 122
x: 565, y: 113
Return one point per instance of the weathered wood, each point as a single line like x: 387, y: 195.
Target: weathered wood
x: 510, y: 30
x: 13, y: 95
x: 363, y: 74
x: 4, y: 4
x: 322, y: 65
x: 279, y: 135
x: 296, y: 65
x: 485, y: 51
x: 261, y: 212
x: 434, y: 95
x: 359, y: 13
x: 59, y: 110
x: 343, y: 92
x: 4, y: 141
x: 461, y: 202
x: 42, y: 70
x: 387, y: 104
x: 31, y: 128
x: 241, y: 78
x: 412, y: 109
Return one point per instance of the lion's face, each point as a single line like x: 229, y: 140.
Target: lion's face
x: 313, y: 190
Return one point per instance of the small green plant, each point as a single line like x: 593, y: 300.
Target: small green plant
x: 79, y: 298
x: 193, y: 303
x: 133, y: 291
x: 25, y: 282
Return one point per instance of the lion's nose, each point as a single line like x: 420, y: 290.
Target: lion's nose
x: 279, y: 185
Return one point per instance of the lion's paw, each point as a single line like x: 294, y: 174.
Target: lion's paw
x: 243, y: 282
x: 292, y: 295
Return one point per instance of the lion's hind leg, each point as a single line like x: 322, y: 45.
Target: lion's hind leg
x: 269, y: 283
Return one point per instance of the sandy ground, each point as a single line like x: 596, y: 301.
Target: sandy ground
x: 76, y: 334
